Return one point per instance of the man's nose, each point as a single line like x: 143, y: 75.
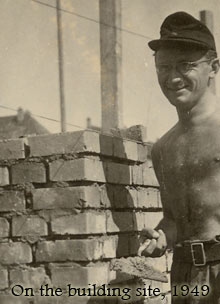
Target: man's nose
x: 174, y: 75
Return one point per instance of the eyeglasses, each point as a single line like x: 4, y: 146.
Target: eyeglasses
x: 182, y: 67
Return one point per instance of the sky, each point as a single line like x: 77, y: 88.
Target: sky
x: 29, y: 60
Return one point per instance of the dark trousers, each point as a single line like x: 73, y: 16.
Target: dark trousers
x: 191, y: 279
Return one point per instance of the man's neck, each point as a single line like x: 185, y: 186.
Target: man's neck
x: 206, y: 106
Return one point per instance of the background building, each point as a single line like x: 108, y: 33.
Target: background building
x: 19, y: 125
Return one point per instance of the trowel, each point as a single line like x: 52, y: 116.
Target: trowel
x: 139, y: 266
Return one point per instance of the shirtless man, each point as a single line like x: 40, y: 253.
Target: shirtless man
x: 187, y: 161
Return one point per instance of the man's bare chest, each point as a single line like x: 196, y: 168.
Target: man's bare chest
x: 192, y: 156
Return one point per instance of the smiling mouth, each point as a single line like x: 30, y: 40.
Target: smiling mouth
x: 177, y: 89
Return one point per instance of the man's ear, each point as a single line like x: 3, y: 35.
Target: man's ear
x: 215, y: 67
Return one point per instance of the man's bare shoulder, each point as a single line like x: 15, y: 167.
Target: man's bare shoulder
x: 162, y: 142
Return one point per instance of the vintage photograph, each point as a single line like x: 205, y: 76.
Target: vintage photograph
x: 109, y: 152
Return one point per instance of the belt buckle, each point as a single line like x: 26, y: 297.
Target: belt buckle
x: 199, y: 246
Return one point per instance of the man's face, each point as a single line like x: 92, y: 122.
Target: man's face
x: 183, y: 90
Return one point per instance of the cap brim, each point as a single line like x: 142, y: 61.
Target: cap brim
x: 155, y: 45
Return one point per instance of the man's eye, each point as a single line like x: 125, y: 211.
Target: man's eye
x: 184, y: 66
x: 163, y: 68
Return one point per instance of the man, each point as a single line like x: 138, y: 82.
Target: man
x: 187, y: 161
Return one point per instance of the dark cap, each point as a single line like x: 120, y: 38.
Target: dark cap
x: 182, y: 28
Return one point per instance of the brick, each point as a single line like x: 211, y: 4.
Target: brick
x: 144, y: 175
x: 106, y: 144
x: 68, y: 142
x: 160, y: 263
x: 69, y: 250
x: 28, y: 225
x: 68, y: 197
x: 92, y: 196
x: 107, y: 195
x: 147, y: 198
x: 159, y: 200
x: 4, y: 176
x: 4, y: 228
x: 28, y: 172
x: 77, y: 169
x: 134, y: 244
x: 64, y: 298
x: 12, y: 149
x: 79, y: 276
x: 150, y: 146
x: 123, y: 245
x: 149, y: 177
x: 166, y: 287
x: 132, y: 197
x: 137, y: 175
x: 125, y: 149
x: 110, y: 245
x: 152, y: 219
x: 15, y: 253
x: 119, y: 221
x: 3, y: 278
x: 142, y: 153
x: 147, y: 220
x: 10, y: 299
x: 139, y: 221
x: 125, y: 197
x: 118, y: 173
x: 12, y: 201
x: 81, y: 223
x: 138, y: 132
x: 48, y: 215
x: 29, y: 277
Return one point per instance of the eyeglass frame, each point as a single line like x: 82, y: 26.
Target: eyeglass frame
x: 192, y: 64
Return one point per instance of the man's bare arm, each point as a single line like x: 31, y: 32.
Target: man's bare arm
x: 164, y: 234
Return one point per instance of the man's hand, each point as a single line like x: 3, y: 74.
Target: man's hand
x: 153, y: 243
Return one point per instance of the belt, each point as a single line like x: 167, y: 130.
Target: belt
x: 197, y: 253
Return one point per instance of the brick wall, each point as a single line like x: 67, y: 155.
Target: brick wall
x: 69, y: 203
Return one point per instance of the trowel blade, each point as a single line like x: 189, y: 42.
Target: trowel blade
x: 140, y: 267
